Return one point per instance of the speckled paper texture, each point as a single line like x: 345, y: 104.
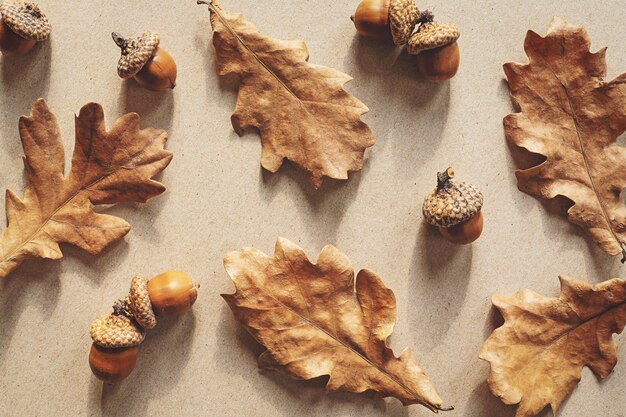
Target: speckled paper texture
x: 219, y: 199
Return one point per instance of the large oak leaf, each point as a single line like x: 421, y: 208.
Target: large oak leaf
x: 538, y: 354
x: 317, y: 320
x: 107, y: 168
x: 301, y: 110
x: 572, y: 117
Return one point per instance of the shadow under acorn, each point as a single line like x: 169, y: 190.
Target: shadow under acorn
x: 23, y: 79
x: 156, y: 109
x: 35, y: 284
x: 439, y: 293
x: 387, y: 80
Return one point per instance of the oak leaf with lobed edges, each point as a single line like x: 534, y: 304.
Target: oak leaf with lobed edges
x: 301, y: 110
x: 537, y: 356
x: 573, y: 118
x: 108, y: 167
x: 318, y: 320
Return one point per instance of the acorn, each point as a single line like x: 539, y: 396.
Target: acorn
x: 142, y: 58
x: 455, y: 208
x: 139, y: 303
x: 116, y: 336
x: 112, y: 365
x: 172, y: 293
x: 437, y: 50
x: 22, y: 25
x: 386, y: 19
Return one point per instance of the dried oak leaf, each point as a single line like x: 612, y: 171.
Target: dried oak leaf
x: 107, y: 168
x: 301, y: 110
x: 317, y: 320
x: 573, y: 118
x: 538, y: 354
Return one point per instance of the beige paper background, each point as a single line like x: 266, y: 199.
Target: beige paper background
x: 219, y: 199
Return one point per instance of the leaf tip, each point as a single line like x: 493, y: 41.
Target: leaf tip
x: 558, y: 23
x: 229, y: 259
x: 40, y: 102
x: 39, y: 106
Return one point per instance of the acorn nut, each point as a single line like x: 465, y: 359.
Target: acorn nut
x: 386, y: 19
x: 139, y: 303
x: 455, y: 208
x: 114, y: 350
x: 116, y: 331
x: 22, y: 25
x: 172, y: 293
x: 437, y: 50
x: 112, y: 365
x: 142, y: 58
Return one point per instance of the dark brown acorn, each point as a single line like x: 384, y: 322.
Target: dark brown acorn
x: 22, y: 26
x: 112, y: 365
x: 455, y: 208
x: 142, y: 58
x: 437, y: 50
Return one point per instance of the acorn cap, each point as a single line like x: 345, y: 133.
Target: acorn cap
x: 26, y: 20
x: 451, y: 202
x: 432, y: 35
x: 136, y: 52
x: 139, y: 303
x: 113, y: 331
x: 402, y: 18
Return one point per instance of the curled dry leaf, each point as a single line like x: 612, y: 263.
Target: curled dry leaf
x: 107, y: 168
x: 538, y: 354
x: 301, y: 110
x: 573, y: 118
x: 317, y: 320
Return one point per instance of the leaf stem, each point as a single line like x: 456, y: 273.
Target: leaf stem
x: 442, y: 408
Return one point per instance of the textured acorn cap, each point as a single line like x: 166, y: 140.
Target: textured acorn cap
x: 135, y: 52
x: 139, y: 303
x: 26, y: 20
x: 402, y: 18
x: 432, y: 35
x: 112, y: 331
x: 452, y: 202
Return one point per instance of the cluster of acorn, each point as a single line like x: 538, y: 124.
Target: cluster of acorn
x: 23, y: 24
x: 455, y: 208
x: 400, y: 21
x: 116, y: 336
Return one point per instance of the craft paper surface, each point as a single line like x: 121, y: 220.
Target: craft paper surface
x: 218, y: 199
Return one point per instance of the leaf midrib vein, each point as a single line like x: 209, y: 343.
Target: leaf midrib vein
x: 83, y: 189
x: 348, y: 347
x: 567, y: 333
x: 594, y: 188
x: 269, y: 70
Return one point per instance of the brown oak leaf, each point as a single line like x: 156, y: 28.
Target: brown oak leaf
x: 301, y: 110
x: 107, y: 168
x: 573, y: 118
x: 317, y: 320
x: 538, y: 354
